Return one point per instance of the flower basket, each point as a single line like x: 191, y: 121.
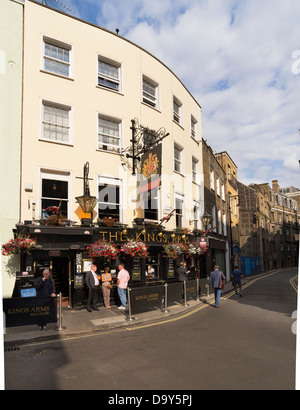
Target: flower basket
x: 134, y: 248
x: 195, y: 249
x: 19, y: 245
x: 173, y: 250
x: 108, y: 221
x: 57, y: 220
x: 102, y: 249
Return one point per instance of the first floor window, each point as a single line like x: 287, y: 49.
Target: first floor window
x: 56, y: 122
x: 109, y: 74
x: 179, y: 212
x: 178, y: 158
x: 109, y: 134
x: 55, y: 187
x: 109, y: 198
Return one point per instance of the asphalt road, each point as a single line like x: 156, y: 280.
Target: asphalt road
x: 247, y: 344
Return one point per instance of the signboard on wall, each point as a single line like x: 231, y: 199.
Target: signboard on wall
x: 151, y: 169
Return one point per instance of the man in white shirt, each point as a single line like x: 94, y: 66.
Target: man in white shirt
x: 92, y: 282
x: 122, y: 283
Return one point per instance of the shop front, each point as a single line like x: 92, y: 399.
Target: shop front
x: 69, y: 251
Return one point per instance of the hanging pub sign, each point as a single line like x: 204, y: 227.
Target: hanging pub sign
x: 204, y: 242
x: 151, y: 169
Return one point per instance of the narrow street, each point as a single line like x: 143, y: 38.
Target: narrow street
x: 247, y: 344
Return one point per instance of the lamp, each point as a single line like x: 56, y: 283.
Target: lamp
x: 86, y: 201
x: 206, y: 219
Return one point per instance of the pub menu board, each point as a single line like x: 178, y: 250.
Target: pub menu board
x: 136, y: 269
x: 170, y: 268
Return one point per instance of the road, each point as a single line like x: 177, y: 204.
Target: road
x: 247, y: 344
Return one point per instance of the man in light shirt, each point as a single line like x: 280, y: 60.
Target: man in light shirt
x: 122, y: 283
x: 92, y: 282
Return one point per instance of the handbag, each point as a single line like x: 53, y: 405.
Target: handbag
x: 221, y: 283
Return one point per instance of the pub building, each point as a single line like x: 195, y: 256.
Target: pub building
x: 64, y: 249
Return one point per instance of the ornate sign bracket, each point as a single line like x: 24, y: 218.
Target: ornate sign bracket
x: 143, y: 140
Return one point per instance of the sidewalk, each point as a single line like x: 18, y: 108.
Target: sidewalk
x: 81, y: 322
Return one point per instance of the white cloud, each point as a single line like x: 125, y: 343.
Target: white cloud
x: 237, y: 58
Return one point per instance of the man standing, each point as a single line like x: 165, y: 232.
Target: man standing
x: 217, y: 277
x: 92, y: 282
x: 45, y: 287
x: 122, y: 283
x: 236, y: 277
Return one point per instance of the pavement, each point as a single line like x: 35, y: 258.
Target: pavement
x: 74, y: 323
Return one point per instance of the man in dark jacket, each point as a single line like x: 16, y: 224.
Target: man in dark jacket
x: 45, y: 287
x: 92, y: 282
x: 217, y: 277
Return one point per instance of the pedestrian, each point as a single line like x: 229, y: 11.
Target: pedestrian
x: 106, y: 286
x: 122, y: 283
x: 236, y: 278
x: 45, y: 287
x: 92, y: 282
x: 218, y: 279
x: 183, y: 272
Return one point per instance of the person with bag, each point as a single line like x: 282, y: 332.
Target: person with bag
x: 218, y: 281
x: 106, y: 286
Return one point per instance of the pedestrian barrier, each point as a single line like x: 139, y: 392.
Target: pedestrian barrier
x: 159, y: 297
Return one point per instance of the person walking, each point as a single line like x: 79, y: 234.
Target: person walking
x: 236, y: 278
x: 218, y: 279
x: 45, y: 288
x: 92, y: 282
x: 122, y: 283
x: 106, y: 286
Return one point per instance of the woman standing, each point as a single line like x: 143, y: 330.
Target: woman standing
x: 106, y: 286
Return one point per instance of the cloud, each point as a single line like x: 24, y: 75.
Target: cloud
x: 238, y: 59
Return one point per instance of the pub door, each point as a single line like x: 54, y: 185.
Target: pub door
x: 61, y: 268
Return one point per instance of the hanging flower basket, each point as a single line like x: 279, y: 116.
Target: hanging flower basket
x: 134, y: 248
x: 21, y: 244
x: 102, y: 249
x: 173, y: 250
x: 195, y: 249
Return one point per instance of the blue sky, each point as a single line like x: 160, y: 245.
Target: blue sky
x: 240, y: 61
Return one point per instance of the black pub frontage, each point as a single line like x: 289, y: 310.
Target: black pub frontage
x: 65, y: 251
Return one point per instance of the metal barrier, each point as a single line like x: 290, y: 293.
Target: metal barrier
x: 60, y: 326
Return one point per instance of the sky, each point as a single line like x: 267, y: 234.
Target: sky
x: 241, y: 62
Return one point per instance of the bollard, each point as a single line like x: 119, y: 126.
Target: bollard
x: 184, y: 289
x: 166, y: 298
x: 60, y: 327
x: 207, y: 288
x: 129, y: 317
x: 197, y: 293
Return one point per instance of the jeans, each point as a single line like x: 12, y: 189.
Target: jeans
x: 217, y: 296
x: 122, y: 296
x: 238, y: 285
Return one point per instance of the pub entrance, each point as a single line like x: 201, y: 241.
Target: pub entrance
x: 153, y: 269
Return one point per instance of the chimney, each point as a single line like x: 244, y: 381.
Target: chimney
x: 275, y: 186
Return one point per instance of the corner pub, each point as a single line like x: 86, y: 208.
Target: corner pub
x: 65, y: 251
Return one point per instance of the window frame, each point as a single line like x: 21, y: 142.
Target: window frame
x: 155, y: 98
x: 107, y: 77
x: 114, y: 120
x: 177, y: 116
x: 60, y: 45
x: 178, y: 160
x: 115, y: 182
x: 43, y: 121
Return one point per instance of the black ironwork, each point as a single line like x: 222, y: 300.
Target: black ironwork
x: 143, y: 140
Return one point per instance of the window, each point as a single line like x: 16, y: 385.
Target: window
x: 55, y: 192
x: 178, y: 165
x: 212, y: 179
x: 177, y: 111
x: 179, y: 211
x: 150, y: 92
x: 57, y: 57
x: 151, y: 204
x: 109, y: 198
x: 194, y: 169
x: 56, y: 122
x: 109, y: 74
x: 194, y: 128
x: 109, y: 134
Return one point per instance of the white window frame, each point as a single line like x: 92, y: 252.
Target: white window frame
x: 120, y: 137
x: 107, y: 77
x: 148, y: 98
x: 180, y: 197
x: 177, y: 111
x: 212, y: 179
x: 59, y: 175
x: 43, y: 121
x: 194, y: 128
x: 112, y: 181
x: 178, y: 160
x: 55, y: 60
x: 195, y: 170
